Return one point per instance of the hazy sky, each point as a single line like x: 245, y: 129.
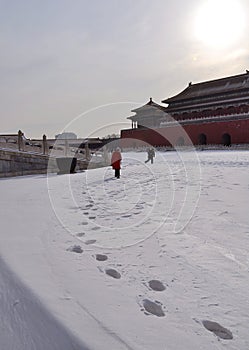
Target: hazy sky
x: 61, y: 58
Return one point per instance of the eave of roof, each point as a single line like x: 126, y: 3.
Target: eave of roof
x: 152, y: 104
x: 208, y: 104
x: 212, y: 87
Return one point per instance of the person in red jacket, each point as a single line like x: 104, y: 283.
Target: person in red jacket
x: 116, y: 162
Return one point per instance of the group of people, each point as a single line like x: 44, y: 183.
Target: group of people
x: 117, y: 158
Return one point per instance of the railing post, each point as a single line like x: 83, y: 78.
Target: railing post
x: 20, y: 140
x: 66, y: 147
x: 44, y: 144
x: 87, y: 152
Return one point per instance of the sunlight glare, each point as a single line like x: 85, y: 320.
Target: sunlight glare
x: 219, y: 23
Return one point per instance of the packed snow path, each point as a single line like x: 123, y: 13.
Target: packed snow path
x: 157, y: 259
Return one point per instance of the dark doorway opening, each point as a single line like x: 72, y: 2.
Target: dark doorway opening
x: 202, y: 139
x: 226, y: 139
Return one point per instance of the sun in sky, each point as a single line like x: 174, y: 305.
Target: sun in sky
x: 219, y: 23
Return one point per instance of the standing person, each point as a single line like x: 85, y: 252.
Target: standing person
x: 116, y: 162
x: 151, y: 155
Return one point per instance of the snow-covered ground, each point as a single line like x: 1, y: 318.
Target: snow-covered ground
x: 93, y: 262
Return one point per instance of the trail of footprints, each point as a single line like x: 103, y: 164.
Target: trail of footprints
x: 148, y: 306
x: 90, y: 209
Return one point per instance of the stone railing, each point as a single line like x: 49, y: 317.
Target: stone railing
x: 22, y: 156
x: 18, y: 142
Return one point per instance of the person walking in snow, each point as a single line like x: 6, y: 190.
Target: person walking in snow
x: 151, y: 155
x: 116, y: 162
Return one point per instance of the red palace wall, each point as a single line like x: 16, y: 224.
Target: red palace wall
x: 167, y: 136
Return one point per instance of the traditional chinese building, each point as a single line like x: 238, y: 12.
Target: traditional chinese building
x: 211, y: 112
x: 151, y: 115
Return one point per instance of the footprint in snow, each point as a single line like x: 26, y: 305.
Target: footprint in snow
x: 113, y: 273
x: 153, y: 308
x: 89, y: 206
x: 75, y: 249
x: 80, y: 234
x: 101, y: 257
x: 90, y: 241
x: 156, y: 285
x: 217, y: 329
x: 223, y: 213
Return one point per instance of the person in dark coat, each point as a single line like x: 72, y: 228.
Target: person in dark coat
x: 116, y: 162
x: 151, y: 155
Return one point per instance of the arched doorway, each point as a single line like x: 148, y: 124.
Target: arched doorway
x: 226, y: 139
x: 202, y: 139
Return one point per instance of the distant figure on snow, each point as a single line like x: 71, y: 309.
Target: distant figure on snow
x: 151, y: 155
x: 116, y: 162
